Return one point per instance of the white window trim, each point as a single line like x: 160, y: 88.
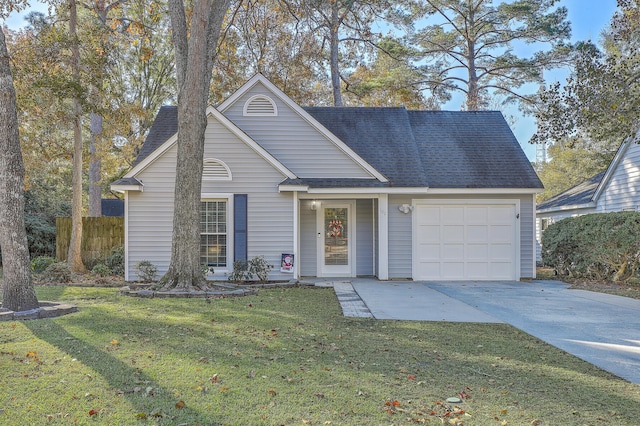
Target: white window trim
x: 246, y: 112
x: 228, y: 177
x: 221, y: 273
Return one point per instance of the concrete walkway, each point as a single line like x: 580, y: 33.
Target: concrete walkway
x: 599, y: 328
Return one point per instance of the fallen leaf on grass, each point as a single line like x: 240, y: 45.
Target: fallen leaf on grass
x: 180, y: 405
x: 93, y: 412
x: 272, y: 392
x: 214, y: 378
x: 114, y: 342
x: 141, y: 415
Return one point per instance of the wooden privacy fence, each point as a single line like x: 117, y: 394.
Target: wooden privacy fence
x: 99, y: 235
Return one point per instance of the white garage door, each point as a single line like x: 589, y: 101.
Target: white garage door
x: 465, y: 242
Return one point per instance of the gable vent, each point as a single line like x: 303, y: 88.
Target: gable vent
x: 260, y: 105
x: 215, y: 170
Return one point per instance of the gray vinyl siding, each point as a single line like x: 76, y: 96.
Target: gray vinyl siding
x: 364, y: 237
x: 400, y: 238
x: 527, y: 236
x: 150, y: 216
x: 270, y: 213
x: 400, y: 235
x: 308, y: 257
x: 293, y: 141
x: 622, y: 192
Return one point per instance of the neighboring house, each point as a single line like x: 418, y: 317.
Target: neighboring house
x: 616, y: 189
x: 385, y: 192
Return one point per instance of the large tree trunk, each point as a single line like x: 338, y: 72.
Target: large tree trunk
x: 17, y: 288
x: 95, y: 167
x: 74, y: 257
x: 334, y: 41
x: 473, y: 93
x: 194, y: 63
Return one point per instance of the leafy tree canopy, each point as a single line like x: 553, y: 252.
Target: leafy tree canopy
x: 468, y: 46
x: 601, y: 99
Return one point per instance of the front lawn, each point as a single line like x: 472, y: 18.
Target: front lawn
x: 287, y: 357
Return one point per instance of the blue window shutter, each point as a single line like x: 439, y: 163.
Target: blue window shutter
x: 240, y: 226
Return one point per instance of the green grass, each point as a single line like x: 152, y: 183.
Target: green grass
x: 287, y: 356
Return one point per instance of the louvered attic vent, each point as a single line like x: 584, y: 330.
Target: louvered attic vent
x: 215, y: 170
x: 260, y: 105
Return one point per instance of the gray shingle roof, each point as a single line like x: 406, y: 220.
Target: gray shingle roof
x: 127, y: 181
x: 164, y: 126
x: 470, y: 149
x: 437, y: 149
x: 381, y: 136
x: 578, y: 195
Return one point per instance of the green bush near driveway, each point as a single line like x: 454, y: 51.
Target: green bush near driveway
x: 604, y: 246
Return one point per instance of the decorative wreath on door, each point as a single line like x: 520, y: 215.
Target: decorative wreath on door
x: 335, y: 228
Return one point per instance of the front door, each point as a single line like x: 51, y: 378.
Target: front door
x: 335, y: 239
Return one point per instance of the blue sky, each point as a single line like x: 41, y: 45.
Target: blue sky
x: 588, y: 19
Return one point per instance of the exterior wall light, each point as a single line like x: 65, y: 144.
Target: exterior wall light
x: 405, y: 208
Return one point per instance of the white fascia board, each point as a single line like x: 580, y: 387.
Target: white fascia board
x: 424, y: 190
x: 213, y: 112
x: 473, y: 191
x: 125, y: 188
x: 293, y: 188
x: 590, y: 205
x: 372, y: 190
x: 305, y: 116
x: 342, y: 196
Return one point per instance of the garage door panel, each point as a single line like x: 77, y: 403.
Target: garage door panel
x: 428, y: 233
x: 452, y: 233
x: 477, y: 215
x: 452, y: 271
x: 501, y: 252
x: 430, y: 252
x: 501, y: 234
x: 430, y: 269
x: 501, y: 271
x: 465, y: 242
x: 477, y: 233
x: 452, y: 251
x: 452, y: 215
x: 478, y: 252
x: 501, y: 214
x: 477, y: 270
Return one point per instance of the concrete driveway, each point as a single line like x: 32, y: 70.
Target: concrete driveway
x: 599, y: 328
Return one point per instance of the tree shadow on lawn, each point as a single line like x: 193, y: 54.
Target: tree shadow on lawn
x: 146, y: 395
x: 310, y: 350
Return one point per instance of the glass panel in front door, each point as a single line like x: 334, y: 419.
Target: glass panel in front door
x: 336, y: 236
